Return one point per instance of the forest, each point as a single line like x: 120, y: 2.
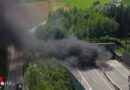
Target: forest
x: 107, y: 23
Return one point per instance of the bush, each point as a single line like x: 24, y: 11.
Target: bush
x: 106, y: 39
x: 110, y: 39
x: 47, y: 77
x: 128, y: 49
x: 96, y: 3
x: 33, y: 77
x: 127, y: 46
x: 77, y: 22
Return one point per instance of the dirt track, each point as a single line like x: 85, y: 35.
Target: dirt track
x: 38, y: 10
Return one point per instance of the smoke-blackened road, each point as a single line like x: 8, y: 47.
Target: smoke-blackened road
x: 118, y: 74
x: 15, y: 74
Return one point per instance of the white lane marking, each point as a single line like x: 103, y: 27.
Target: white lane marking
x: 121, y: 73
x: 119, y: 64
x: 114, y: 82
x: 95, y: 80
x: 104, y: 80
x: 84, y: 80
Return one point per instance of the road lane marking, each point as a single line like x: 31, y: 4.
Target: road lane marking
x: 114, y: 82
x: 119, y: 64
x: 121, y: 73
x: 123, y: 76
x: 104, y: 80
x: 95, y: 80
x: 84, y: 79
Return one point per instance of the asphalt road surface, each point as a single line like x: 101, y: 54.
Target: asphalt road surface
x: 90, y: 78
x: 15, y: 74
x: 96, y: 80
x: 118, y: 74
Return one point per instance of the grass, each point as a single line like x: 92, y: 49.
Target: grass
x: 32, y: 0
x: 56, y: 4
x: 119, y: 51
x: 125, y: 1
x: 85, y: 3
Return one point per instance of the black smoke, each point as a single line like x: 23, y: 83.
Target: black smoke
x: 12, y: 28
x: 75, y: 52
x: 70, y: 50
x: 7, y: 36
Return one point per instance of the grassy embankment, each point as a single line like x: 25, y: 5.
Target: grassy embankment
x: 85, y: 3
x: 125, y: 1
x: 33, y: 0
x: 56, y: 4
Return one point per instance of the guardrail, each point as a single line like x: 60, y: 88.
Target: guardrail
x: 75, y: 83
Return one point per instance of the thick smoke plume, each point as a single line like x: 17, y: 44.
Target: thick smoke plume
x: 70, y: 50
x: 12, y: 29
x: 76, y: 52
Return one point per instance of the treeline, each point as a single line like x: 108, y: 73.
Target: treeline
x: 108, y: 23
x: 90, y: 23
x: 85, y: 24
x: 47, y: 77
x: 121, y: 15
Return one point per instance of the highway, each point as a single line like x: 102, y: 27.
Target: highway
x: 35, y: 28
x: 90, y: 78
x: 15, y: 74
x: 96, y: 80
x: 39, y: 13
x: 117, y: 73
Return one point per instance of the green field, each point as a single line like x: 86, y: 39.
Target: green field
x: 32, y: 0
x: 85, y: 3
x: 125, y: 1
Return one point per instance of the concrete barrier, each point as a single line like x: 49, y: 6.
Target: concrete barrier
x: 126, y: 58
x: 76, y: 84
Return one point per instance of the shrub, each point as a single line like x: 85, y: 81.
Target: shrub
x: 47, y: 77
x: 110, y: 39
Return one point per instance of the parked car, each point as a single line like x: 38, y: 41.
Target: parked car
x: 19, y: 86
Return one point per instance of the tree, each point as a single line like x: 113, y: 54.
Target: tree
x: 121, y: 14
x: 43, y: 86
x: 99, y: 25
x: 33, y: 77
x: 47, y: 77
x: 77, y: 22
x: 128, y: 49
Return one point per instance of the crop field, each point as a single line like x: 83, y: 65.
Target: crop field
x: 125, y: 1
x: 85, y: 3
x: 39, y: 12
x: 56, y: 4
x: 33, y: 0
